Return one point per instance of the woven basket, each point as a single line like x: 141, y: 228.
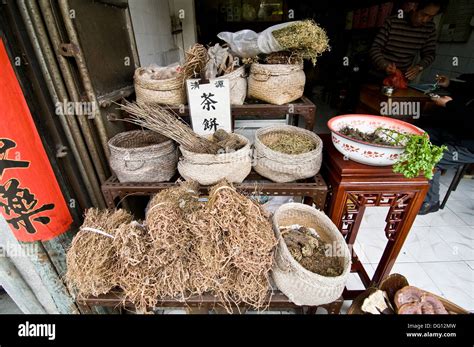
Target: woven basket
x: 170, y: 91
x: 276, y: 83
x: 143, y: 156
x: 281, y: 167
x: 238, y: 85
x: 302, y: 286
x: 208, y: 169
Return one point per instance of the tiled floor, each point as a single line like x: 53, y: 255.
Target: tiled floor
x: 438, y: 254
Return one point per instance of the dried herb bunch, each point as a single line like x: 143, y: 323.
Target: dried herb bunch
x: 305, y: 38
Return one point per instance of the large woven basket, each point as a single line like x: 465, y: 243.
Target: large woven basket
x: 238, y: 85
x: 276, y: 83
x: 281, y: 167
x: 170, y: 91
x: 302, y: 286
x: 209, y: 169
x: 143, y: 156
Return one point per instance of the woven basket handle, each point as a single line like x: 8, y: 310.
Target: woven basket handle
x: 134, y: 165
x: 265, y: 77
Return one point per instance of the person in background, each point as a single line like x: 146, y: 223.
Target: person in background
x: 455, y: 129
x: 401, y: 40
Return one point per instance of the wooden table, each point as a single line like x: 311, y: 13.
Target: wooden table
x: 352, y: 188
x: 254, y: 109
x: 207, y: 302
x: 371, y: 98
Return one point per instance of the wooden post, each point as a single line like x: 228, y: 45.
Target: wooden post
x: 14, y: 284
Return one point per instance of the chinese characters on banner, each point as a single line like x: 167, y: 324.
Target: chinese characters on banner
x: 209, y: 106
x: 30, y: 198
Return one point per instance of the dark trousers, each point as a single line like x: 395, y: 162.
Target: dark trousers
x: 455, y: 155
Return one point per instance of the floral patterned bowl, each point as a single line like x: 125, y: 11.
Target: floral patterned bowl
x: 365, y: 152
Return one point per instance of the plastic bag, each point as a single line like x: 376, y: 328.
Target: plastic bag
x: 396, y: 80
x: 247, y: 43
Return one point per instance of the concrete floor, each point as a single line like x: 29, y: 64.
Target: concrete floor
x: 7, y: 306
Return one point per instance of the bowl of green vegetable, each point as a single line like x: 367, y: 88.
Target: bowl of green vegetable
x: 382, y: 141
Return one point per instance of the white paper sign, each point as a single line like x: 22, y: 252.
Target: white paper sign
x: 209, y: 105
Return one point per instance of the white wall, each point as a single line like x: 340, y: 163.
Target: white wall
x: 152, y: 27
x: 443, y: 63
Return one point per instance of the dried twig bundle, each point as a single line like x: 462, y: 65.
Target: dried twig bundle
x: 196, y: 60
x: 162, y: 121
x: 91, y: 259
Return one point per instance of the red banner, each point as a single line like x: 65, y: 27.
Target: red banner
x: 30, y: 198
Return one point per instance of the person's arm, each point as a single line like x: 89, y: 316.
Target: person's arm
x: 428, y: 51
x: 380, y: 41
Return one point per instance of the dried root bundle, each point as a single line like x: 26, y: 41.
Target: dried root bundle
x: 91, y: 259
x: 223, y: 247
x: 196, y: 60
x: 236, y: 244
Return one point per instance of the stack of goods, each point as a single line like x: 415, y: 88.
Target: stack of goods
x: 222, y: 65
x: 278, y: 80
x: 92, y: 260
x: 396, y: 296
x: 187, y: 248
x: 143, y: 156
x: 286, y: 153
x: 207, y: 161
x: 156, y: 85
x: 312, y: 260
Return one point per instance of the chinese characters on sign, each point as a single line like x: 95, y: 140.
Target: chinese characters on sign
x: 18, y: 203
x: 209, y: 105
x: 30, y: 198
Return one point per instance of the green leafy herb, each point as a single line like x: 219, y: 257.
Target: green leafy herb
x: 420, y: 155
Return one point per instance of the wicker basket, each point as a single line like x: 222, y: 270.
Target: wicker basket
x: 208, y: 169
x: 302, y: 286
x: 170, y: 91
x: 281, y: 167
x: 391, y: 285
x: 238, y: 85
x: 276, y: 83
x: 143, y: 156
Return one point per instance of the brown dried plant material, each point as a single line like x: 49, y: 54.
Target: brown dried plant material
x: 91, y: 259
x: 289, y: 143
x: 310, y: 251
x: 188, y: 247
x: 237, y: 243
x: 154, y: 262
x: 196, y: 60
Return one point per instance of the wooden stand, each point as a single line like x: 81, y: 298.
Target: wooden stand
x: 256, y: 109
x: 209, y: 302
x: 312, y: 190
x: 355, y: 186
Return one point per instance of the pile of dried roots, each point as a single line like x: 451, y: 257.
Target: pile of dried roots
x: 188, y: 247
x: 92, y: 258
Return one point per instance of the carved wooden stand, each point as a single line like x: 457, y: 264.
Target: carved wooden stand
x: 353, y: 187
